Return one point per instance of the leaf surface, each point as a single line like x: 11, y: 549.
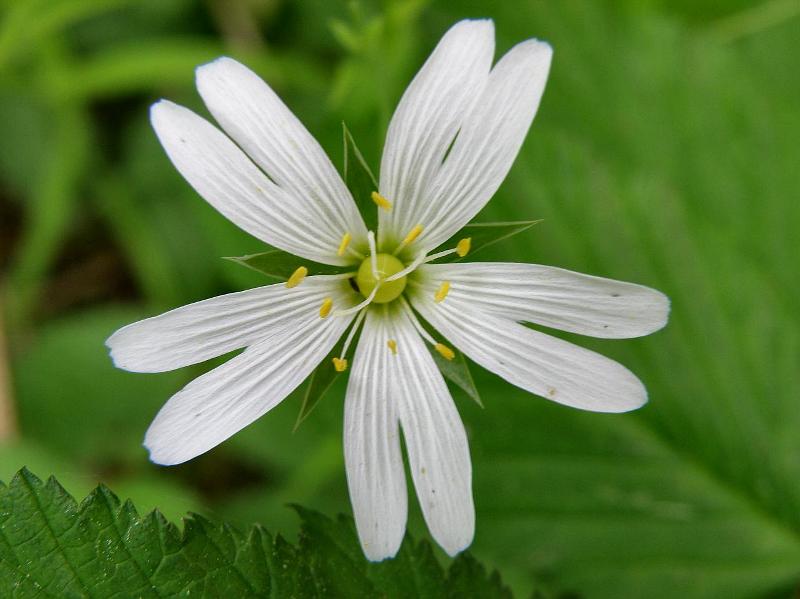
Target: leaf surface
x: 52, y: 547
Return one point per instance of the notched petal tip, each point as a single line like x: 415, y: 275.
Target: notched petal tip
x: 538, y: 51
x: 161, y: 458
x: 456, y: 533
x: 163, y: 105
x: 162, y: 453
x: 628, y: 400
x: 129, y: 351
x: 379, y: 554
x: 157, y: 108
x: 472, y: 27
x: 655, y: 313
x: 538, y: 45
x: 214, y: 67
x: 220, y: 60
x: 164, y: 113
x: 661, y: 309
x: 476, y: 22
x: 457, y: 547
x: 120, y: 352
x: 459, y: 538
x: 112, y: 340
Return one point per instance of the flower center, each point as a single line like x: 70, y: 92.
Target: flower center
x: 385, y: 266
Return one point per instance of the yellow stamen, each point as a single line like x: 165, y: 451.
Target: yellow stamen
x: 445, y: 351
x: 344, y: 243
x: 325, y: 308
x: 340, y: 364
x: 443, y: 291
x: 392, y: 346
x: 381, y: 201
x: 462, y: 249
x: 297, y: 277
x: 412, y: 235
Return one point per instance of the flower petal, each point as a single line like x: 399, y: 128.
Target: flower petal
x: 539, y: 363
x: 256, y: 118
x: 436, y: 442
x: 488, y: 141
x: 373, y: 459
x: 427, y: 119
x: 552, y: 297
x: 226, y: 178
x: 212, y: 327
x: 220, y: 403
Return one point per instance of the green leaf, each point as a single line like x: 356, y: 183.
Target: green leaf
x: 457, y: 371
x: 279, y: 265
x: 359, y: 179
x: 53, y: 547
x: 467, y: 578
x: 335, y: 556
x: 483, y: 235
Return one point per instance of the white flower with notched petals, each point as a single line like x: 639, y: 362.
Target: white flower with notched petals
x: 450, y: 144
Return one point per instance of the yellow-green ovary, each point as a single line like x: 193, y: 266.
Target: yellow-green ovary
x: 387, y: 265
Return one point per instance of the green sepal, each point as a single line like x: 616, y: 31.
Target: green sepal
x: 485, y: 234
x: 319, y: 383
x: 457, y: 372
x: 325, y: 375
x: 360, y: 180
x: 279, y: 265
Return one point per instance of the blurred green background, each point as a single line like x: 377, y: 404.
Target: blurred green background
x: 665, y: 152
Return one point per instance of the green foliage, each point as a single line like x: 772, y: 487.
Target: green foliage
x: 53, y: 547
x: 379, y: 47
x: 62, y: 374
x: 664, y: 152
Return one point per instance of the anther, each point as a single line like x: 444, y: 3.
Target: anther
x: 344, y: 243
x: 412, y: 235
x: 297, y: 277
x: 463, y: 247
x: 444, y: 289
x: 381, y: 201
x: 444, y: 351
x: 325, y: 308
x: 340, y: 364
x: 392, y: 346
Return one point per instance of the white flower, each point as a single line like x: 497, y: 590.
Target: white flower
x: 452, y: 140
